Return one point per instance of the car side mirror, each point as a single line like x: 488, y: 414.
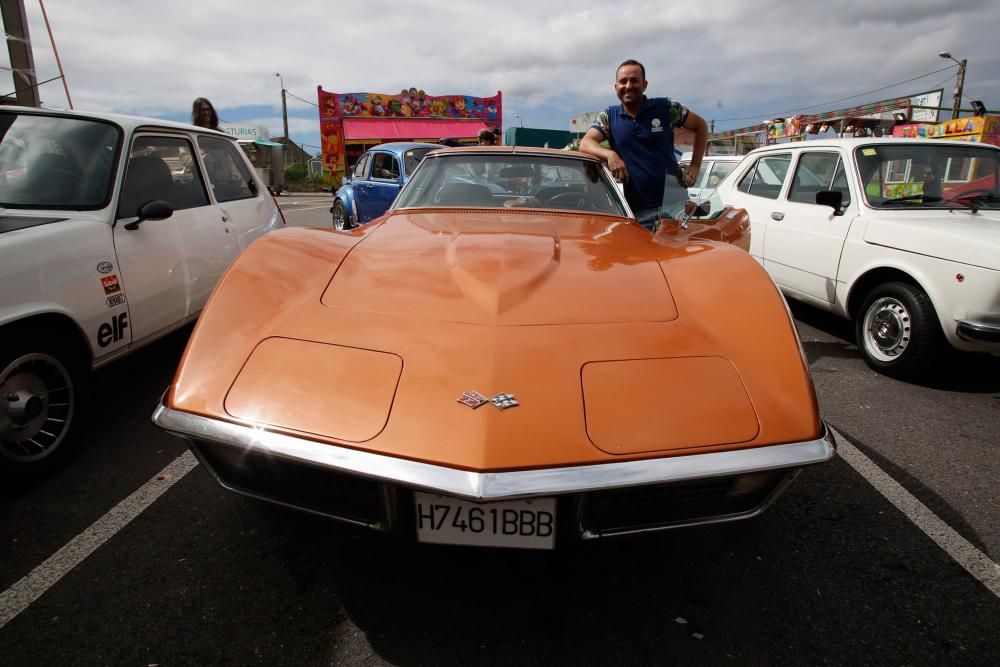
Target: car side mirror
x: 697, y: 208
x: 157, y: 209
x: 833, y: 199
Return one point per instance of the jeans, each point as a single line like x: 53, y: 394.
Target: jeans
x: 649, y: 218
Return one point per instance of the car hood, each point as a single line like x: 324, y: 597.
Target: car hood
x: 504, y: 269
x: 954, y: 235
x: 617, y: 344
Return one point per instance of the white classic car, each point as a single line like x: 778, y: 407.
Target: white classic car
x: 113, y: 232
x: 902, y: 236
x: 714, y: 168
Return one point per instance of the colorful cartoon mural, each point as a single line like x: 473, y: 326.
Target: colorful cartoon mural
x: 411, y: 104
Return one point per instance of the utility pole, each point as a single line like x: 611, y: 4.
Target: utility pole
x: 22, y: 62
x: 284, y: 112
x: 959, y: 82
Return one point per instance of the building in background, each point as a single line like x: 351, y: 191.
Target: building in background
x: 533, y: 136
x: 351, y: 123
x: 293, y: 152
x: 267, y: 157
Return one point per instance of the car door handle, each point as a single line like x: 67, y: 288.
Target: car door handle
x: 777, y: 215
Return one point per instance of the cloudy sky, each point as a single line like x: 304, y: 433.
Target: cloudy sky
x: 735, y: 62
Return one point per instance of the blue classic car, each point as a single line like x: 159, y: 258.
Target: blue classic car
x: 371, y: 186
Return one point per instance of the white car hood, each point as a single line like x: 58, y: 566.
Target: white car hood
x: 956, y: 235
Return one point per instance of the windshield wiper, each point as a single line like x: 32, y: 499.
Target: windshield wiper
x: 975, y: 202
x: 921, y: 198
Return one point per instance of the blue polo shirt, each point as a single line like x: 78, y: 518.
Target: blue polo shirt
x: 646, y: 144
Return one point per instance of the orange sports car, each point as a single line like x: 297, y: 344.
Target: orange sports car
x: 503, y: 359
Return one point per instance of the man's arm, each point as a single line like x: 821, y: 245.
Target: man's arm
x: 696, y: 124
x: 591, y: 145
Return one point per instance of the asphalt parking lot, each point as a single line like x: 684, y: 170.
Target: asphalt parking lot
x: 131, y: 554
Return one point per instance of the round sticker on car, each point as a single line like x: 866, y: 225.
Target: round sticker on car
x: 105, y: 267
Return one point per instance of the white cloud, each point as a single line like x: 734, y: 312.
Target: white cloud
x: 724, y: 58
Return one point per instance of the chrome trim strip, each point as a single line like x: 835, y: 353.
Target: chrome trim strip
x: 497, y: 485
x: 978, y: 331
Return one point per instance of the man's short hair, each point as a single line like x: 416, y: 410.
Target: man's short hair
x: 632, y: 62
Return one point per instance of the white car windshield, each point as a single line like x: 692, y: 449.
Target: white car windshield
x: 55, y: 162
x: 923, y: 175
x: 506, y: 180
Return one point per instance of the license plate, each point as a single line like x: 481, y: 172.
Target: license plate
x: 521, y: 524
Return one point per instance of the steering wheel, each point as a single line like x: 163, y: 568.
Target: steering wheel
x: 577, y: 200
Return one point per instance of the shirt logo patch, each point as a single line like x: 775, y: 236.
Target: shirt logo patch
x: 657, y: 125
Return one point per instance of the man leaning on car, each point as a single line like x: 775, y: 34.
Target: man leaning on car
x: 640, y: 134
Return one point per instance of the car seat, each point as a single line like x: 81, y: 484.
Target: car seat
x: 464, y: 194
x: 148, y: 178
x: 52, y: 179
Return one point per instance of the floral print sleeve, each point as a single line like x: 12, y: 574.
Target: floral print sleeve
x: 602, y: 126
x: 678, y: 114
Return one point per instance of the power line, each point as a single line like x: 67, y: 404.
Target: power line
x: 300, y: 99
x: 18, y: 90
x: 842, y: 99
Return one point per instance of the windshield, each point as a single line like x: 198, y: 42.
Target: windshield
x: 54, y: 162
x: 920, y: 175
x: 412, y: 159
x: 497, y: 180
x: 675, y: 198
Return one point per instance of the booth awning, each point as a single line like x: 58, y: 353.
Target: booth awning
x: 265, y: 142
x: 400, y: 128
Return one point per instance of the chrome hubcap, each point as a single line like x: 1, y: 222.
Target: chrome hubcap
x: 887, y: 329
x: 338, y: 217
x: 36, y: 407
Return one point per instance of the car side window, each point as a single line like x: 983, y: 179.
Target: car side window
x: 227, y: 169
x: 744, y: 184
x: 384, y: 167
x: 840, y: 183
x: 161, y: 168
x: 359, y: 168
x: 814, y: 173
x: 720, y: 170
x: 767, y: 176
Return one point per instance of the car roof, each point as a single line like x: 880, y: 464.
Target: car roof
x: 125, y: 121
x: 400, y: 147
x: 516, y: 150
x: 854, y: 142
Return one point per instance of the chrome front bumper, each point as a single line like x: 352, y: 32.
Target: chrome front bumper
x: 980, y: 332
x: 301, y: 462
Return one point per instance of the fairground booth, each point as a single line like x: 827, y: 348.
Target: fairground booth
x: 351, y: 123
x: 980, y: 129
x: 875, y: 119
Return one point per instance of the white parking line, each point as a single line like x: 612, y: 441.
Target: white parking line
x: 299, y: 210
x: 978, y: 564
x: 33, y: 585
